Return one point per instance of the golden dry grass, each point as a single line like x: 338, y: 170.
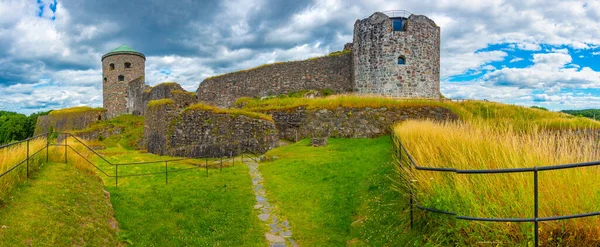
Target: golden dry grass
x: 13, y: 155
x: 217, y: 110
x: 483, y: 144
x: 159, y: 102
x: 75, y: 110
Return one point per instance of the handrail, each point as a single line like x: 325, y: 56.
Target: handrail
x: 536, y: 219
x: 397, y: 13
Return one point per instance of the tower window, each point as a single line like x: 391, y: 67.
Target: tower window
x: 121, y: 78
x: 112, y: 66
x: 398, y: 24
x: 401, y: 60
x: 127, y: 65
x: 105, y: 80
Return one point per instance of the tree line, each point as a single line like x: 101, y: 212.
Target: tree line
x: 589, y: 113
x: 15, y: 126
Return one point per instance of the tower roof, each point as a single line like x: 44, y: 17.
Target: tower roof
x: 123, y: 49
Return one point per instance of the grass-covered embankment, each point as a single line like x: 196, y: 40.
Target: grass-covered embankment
x: 337, y: 195
x: 59, y: 206
x: 191, y: 210
x: 492, y: 144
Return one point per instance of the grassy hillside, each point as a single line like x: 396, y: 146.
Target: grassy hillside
x: 517, y: 116
x: 60, y: 206
x: 491, y: 144
x: 191, y: 210
x: 337, y: 195
x: 131, y: 129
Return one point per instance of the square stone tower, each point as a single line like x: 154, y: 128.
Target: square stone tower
x: 397, y: 54
x: 123, y: 71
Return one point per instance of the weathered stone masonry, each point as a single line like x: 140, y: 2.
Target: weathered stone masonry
x: 204, y: 133
x: 330, y: 72
x: 58, y: 121
x: 371, y: 67
x: 123, y: 71
x: 170, y: 90
x: 376, y: 51
x: 300, y: 123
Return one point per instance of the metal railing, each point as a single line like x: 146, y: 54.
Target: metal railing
x: 219, y: 164
x: 397, y: 13
x: 65, y: 143
x: 402, y: 152
x: 29, y: 155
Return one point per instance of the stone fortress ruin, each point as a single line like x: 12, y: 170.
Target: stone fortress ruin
x: 393, y: 54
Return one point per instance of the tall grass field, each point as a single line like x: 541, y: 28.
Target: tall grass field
x: 483, y: 144
x: 12, y: 156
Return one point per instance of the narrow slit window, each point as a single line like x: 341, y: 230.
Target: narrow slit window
x: 112, y: 66
x: 127, y: 65
x: 401, y: 60
x: 121, y: 78
x: 105, y: 80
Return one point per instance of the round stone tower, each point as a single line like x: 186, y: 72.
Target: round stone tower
x: 397, y: 54
x: 123, y: 71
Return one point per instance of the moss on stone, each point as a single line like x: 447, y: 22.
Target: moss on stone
x: 177, y: 91
x: 160, y: 102
x: 78, y: 109
x: 169, y: 83
x: 235, y: 112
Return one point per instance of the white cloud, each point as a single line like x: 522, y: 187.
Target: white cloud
x: 469, y: 61
x: 549, y: 70
x: 516, y: 59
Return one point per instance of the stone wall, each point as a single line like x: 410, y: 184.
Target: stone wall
x: 376, y: 49
x: 135, y: 96
x: 156, y: 127
x: 344, y: 122
x: 68, y: 120
x: 170, y: 90
x: 42, y: 125
x: 330, y: 72
x: 204, y: 133
x: 118, y: 95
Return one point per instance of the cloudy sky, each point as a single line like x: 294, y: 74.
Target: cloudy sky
x: 544, y: 53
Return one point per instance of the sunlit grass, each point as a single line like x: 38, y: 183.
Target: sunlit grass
x: 480, y: 144
x: 12, y: 156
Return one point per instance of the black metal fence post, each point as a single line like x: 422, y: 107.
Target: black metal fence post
x: 47, y: 145
x: 66, y: 144
x: 166, y: 172
x: 231, y: 156
x: 116, y: 175
x: 535, y: 207
x: 221, y: 165
x: 206, y: 165
x: 27, y: 178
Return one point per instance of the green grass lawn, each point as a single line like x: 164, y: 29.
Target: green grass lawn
x: 338, y: 195
x: 59, y: 206
x: 191, y: 210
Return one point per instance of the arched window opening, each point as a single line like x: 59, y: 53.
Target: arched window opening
x: 112, y: 66
x: 121, y: 78
x: 99, y: 117
x: 401, y: 60
x: 105, y: 80
x: 127, y: 65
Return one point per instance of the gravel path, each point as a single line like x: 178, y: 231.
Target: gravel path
x: 280, y: 231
